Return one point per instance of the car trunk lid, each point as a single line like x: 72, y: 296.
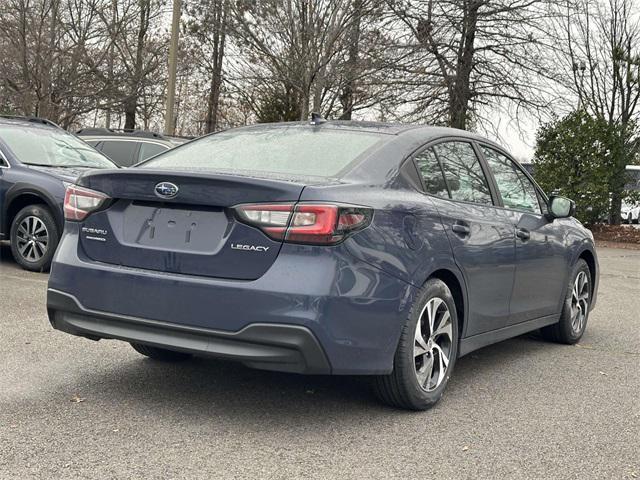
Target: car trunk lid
x: 192, y: 232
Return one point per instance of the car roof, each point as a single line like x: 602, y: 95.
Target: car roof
x: 123, y: 134
x: 426, y: 131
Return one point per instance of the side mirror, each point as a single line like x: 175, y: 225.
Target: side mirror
x: 561, y: 207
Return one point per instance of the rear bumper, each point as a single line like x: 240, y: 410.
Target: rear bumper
x: 354, y: 311
x: 287, y: 348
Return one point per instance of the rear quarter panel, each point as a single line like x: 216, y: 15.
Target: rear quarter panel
x: 406, y: 238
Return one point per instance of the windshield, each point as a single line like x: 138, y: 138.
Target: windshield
x: 51, y: 148
x: 294, y: 150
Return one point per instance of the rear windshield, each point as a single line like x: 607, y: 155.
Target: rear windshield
x: 284, y: 150
x: 51, y: 147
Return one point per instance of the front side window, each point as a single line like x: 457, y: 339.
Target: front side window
x: 51, y: 147
x: 516, y: 189
x: 463, y: 172
x: 431, y: 173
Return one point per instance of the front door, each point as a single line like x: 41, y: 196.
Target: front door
x: 541, y: 261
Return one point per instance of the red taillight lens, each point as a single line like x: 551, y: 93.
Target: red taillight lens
x: 80, y: 202
x: 322, y: 224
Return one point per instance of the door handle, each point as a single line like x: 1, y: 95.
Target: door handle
x: 461, y: 228
x: 523, y: 234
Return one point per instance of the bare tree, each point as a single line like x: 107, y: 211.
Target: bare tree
x: 293, y: 47
x: 207, y: 28
x: 467, y: 55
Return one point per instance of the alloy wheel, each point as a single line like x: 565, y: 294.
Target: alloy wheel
x: 579, y: 302
x: 32, y: 238
x: 433, y: 344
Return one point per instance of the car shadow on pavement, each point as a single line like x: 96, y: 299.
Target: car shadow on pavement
x: 203, y: 387
x: 5, y: 254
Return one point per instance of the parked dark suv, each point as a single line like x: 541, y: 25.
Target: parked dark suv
x: 128, y: 147
x: 333, y: 248
x: 37, y: 160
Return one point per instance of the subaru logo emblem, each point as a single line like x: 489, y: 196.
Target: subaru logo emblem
x: 166, y: 190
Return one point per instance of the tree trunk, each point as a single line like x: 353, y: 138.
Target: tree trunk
x: 348, y: 90
x: 461, y: 91
x: 131, y: 103
x: 45, y: 107
x: 211, y: 122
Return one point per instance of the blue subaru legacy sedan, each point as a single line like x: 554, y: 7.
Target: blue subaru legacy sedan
x: 346, y: 248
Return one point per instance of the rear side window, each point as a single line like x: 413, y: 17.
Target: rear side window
x: 120, y: 151
x: 295, y: 150
x: 148, y: 150
x: 431, y: 173
x: 516, y: 189
x: 463, y: 173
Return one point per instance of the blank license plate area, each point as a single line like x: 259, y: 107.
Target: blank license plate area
x: 175, y: 229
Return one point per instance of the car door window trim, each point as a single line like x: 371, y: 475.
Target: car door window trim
x: 488, y: 177
x: 414, y: 158
x: 483, y: 168
x: 539, y: 191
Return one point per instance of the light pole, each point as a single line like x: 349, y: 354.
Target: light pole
x: 169, y: 124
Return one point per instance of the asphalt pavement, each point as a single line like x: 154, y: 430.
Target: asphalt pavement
x: 524, y: 408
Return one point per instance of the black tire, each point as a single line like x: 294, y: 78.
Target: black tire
x: 402, y: 388
x: 161, y: 354
x: 564, y: 331
x: 34, y: 257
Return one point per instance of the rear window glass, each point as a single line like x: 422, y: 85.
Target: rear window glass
x: 288, y: 150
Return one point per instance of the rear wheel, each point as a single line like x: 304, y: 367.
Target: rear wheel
x: 426, y: 352
x: 575, y: 310
x: 161, y: 354
x: 34, y: 238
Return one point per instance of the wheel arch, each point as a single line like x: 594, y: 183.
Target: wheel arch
x: 456, y: 285
x: 588, y: 256
x: 24, y: 198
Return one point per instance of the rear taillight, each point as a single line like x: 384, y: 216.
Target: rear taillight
x: 312, y: 223
x: 80, y: 202
x: 271, y: 219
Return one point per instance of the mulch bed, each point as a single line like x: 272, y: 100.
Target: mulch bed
x: 617, y: 236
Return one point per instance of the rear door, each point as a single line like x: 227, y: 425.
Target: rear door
x: 480, y: 234
x: 193, y: 232
x: 541, y: 257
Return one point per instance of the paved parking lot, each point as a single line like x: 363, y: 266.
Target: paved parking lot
x: 72, y: 408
